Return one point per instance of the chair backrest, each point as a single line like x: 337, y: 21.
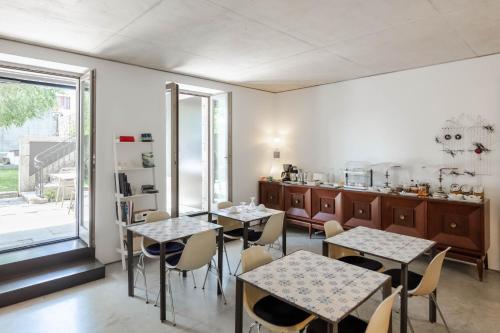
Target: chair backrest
x: 272, y: 229
x: 430, y: 279
x: 153, y: 216
x: 198, y: 252
x: 156, y: 215
x: 333, y: 228
x: 380, y: 319
x: 227, y: 223
x: 251, y: 258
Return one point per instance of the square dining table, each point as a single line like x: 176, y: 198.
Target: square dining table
x: 168, y: 230
x: 246, y: 215
x: 327, y: 288
x: 387, y: 245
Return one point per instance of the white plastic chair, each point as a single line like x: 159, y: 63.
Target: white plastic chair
x: 198, y: 252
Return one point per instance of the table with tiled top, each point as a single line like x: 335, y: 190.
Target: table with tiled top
x: 387, y: 245
x: 327, y: 288
x: 164, y: 231
x: 245, y: 215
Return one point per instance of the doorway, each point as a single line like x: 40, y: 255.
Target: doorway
x: 46, y: 169
x: 198, y: 149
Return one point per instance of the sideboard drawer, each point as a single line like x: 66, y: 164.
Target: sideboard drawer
x: 458, y: 226
x: 298, y: 201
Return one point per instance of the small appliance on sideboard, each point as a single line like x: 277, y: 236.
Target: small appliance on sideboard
x: 358, y: 176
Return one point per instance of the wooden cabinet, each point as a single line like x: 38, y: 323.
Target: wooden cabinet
x: 407, y: 216
x: 360, y: 209
x: 271, y: 195
x: 298, y: 201
x: 463, y: 226
x: 325, y: 205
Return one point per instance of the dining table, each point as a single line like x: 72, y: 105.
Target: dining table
x: 387, y: 245
x: 327, y: 288
x: 168, y: 230
x: 246, y: 215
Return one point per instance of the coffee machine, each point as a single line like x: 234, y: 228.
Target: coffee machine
x: 289, y: 173
x: 285, y: 175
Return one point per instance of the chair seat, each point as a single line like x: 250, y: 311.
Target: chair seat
x: 350, y: 324
x: 413, y: 278
x: 279, y: 313
x: 170, y: 247
x: 173, y: 260
x: 372, y: 265
x: 235, y: 233
x: 253, y: 235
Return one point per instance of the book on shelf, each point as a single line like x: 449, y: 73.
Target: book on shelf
x: 123, y: 185
x: 127, y: 212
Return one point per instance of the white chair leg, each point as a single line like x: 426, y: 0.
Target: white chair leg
x: 250, y: 329
x: 410, y: 325
x: 237, y: 267
x: 206, y: 275
x: 219, y: 282
x: 440, y: 313
x: 227, y: 259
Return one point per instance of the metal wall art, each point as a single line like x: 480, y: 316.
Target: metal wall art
x: 466, y: 142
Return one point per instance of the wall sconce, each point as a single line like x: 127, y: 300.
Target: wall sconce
x: 276, y: 150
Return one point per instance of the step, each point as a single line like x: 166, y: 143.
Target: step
x: 43, y: 280
x: 22, y: 261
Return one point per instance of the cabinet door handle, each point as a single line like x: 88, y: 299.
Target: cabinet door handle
x: 361, y: 211
x: 327, y: 205
x: 402, y: 217
x: 297, y: 201
x: 453, y: 225
x: 271, y: 197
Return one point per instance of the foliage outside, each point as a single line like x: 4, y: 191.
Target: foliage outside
x: 8, y: 179
x: 22, y: 102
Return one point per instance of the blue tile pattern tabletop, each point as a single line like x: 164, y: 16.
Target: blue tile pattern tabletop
x: 322, y: 286
x: 384, y: 244
x: 173, y: 228
x: 245, y: 213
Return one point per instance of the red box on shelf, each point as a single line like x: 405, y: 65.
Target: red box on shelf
x: 126, y: 138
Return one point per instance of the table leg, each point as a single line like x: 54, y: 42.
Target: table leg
x: 238, y: 322
x: 386, y: 292
x: 432, y: 305
x: 332, y: 328
x: 325, y: 249
x: 130, y: 261
x: 163, y: 308
x: 245, y: 235
x: 404, y: 298
x: 210, y: 217
x: 283, y: 237
x: 220, y: 261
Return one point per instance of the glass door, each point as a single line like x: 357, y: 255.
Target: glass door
x: 221, y: 149
x: 172, y: 148
x: 86, y: 159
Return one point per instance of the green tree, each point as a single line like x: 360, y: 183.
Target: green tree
x: 22, y: 102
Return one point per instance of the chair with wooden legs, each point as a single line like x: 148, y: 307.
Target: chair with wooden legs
x: 379, y: 321
x: 151, y: 249
x: 348, y: 256
x: 264, y: 309
x: 423, y: 285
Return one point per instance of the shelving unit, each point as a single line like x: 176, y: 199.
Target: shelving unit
x: 119, y: 149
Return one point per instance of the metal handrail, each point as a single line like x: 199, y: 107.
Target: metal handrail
x: 43, y: 159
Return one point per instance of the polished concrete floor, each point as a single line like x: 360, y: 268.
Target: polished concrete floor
x: 103, y: 306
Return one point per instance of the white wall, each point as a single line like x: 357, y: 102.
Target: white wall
x: 393, y: 117
x: 130, y: 99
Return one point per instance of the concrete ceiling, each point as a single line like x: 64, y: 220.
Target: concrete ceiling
x: 273, y: 45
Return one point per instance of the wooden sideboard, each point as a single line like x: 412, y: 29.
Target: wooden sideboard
x: 464, y: 226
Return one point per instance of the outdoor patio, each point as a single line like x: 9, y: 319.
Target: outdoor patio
x: 22, y: 223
